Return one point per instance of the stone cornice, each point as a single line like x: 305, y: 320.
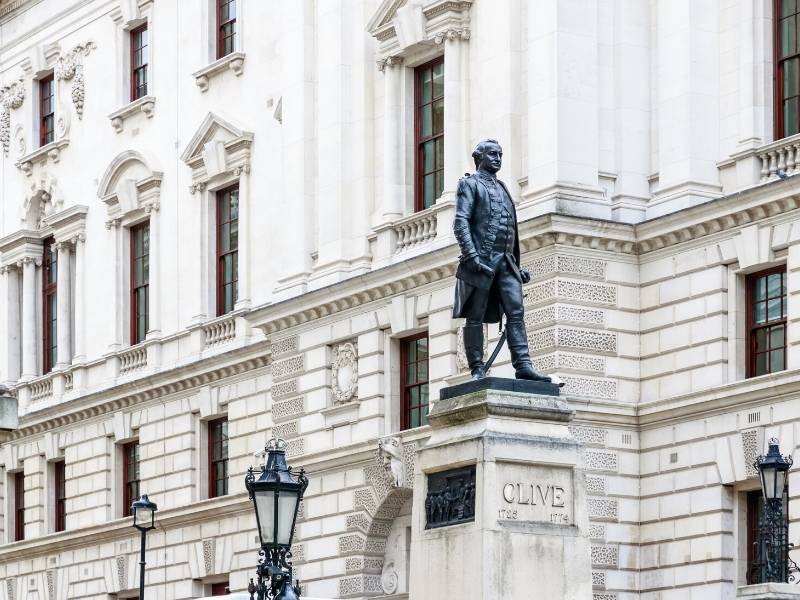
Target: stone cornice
x: 163, y: 383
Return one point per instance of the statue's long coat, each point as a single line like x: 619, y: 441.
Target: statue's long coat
x: 475, y: 227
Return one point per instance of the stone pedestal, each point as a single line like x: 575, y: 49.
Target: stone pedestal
x: 522, y: 531
x: 769, y: 591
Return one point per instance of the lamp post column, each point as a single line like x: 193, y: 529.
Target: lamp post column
x: 141, y: 565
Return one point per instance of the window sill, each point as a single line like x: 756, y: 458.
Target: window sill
x: 49, y: 152
x: 233, y: 61
x: 145, y: 104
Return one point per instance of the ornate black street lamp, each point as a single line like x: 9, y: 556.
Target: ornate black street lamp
x: 773, y: 563
x: 144, y: 519
x: 276, y: 496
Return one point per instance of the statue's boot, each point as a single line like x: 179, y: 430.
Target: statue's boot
x: 473, y: 348
x: 520, y: 358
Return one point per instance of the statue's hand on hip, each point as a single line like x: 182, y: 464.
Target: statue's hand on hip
x: 474, y: 264
x: 525, y: 275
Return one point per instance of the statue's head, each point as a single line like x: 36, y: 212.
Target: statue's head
x: 488, y: 155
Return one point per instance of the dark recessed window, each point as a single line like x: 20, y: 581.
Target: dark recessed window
x: 19, y: 506
x: 429, y: 133
x: 756, y: 570
x: 49, y: 305
x: 140, y: 281
x: 414, y: 381
x: 60, y: 495
x: 227, y: 248
x: 140, y: 57
x: 47, y: 110
x: 130, y: 476
x: 226, y: 27
x: 766, y: 316
x: 218, y: 458
x: 220, y: 589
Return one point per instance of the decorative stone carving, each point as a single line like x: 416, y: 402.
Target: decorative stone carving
x: 11, y: 96
x: 593, y: 388
x: 602, y: 508
x: 285, y: 345
x: 589, y: 435
x: 70, y: 68
x: 344, y: 372
x: 600, y: 460
x: 390, y: 453
x: 287, y: 367
x: 451, y: 35
x: 598, y: 579
x: 389, y: 578
x: 461, y: 356
x: 284, y: 388
x: 451, y: 497
x: 752, y: 442
x: 597, y: 531
x: 569, y: 289
x: 606, y: 556
x: 287, y: 409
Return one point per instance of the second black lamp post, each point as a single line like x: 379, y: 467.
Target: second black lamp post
x: 144, y: 519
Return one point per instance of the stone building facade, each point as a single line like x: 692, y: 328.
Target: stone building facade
x: 218, y: 224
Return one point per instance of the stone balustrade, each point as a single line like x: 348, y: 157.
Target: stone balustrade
x: 132, y: 360
x: 41, y: 389
x: 219, y: 332
x: 415, y: 229
x: 778, y: 157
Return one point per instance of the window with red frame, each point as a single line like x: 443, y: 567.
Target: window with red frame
x: 49, y: 305
x: 429, y: 133
x: 19, y: 506
x: 766, y: 318
x: 226, y: 27
x: 47, y: 110
x: 140, y: 281
x: 786, y: 50
x: 140, y: 57
x: 60, y: 495
x: 220, y: 589
x: 227, y: 248
x: 130, y: 476
x: 414, y: 381
x: 218, y: 458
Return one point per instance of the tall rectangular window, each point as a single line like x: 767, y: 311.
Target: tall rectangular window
x: 218, y: 458
x: 140, y: 57
x: 19, y: 506
x: 60, y: 495
x: 227, y: 248
x: 226, y: 27
x: 414, y: 381
x: 756, y: 570
x: 130, y: 476
x: 140, y: 281
x: 766, y: 316
x: 787, y: 67
x: 47, y: 110
x: 49, y: 305
x: 429, y: 133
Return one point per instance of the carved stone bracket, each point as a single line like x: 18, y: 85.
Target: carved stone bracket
x: 70, y: 68
x: 344, y: 372
x: 451, y: 35
x: 389, y: 62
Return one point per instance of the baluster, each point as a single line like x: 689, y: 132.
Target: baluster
x: 789, y: 159
x: 764, y: 166
x: 773, y: 163
x: 782, y: 159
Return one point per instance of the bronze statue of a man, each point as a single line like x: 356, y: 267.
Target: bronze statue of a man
x: 489, y: 277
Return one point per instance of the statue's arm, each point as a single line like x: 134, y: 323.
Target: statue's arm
x: 465, y: 204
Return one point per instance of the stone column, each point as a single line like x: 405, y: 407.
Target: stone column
x: 245, y: 217
x: 154, y: 274
x: 63, y: 306
x: 116, y: 285
x: 11, y: 322
x: 79, y: 334
x: 456, y: 155
x: 29, y: 304
x: 393, y: 155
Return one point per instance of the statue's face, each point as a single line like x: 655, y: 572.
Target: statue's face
x: 492, y: 158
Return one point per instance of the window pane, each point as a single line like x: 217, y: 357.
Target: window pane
x: 787, y: 36
x: 411, y: 373
x: 759, y: 312
x: 790, y: 120
x: 774, y: 309
x: 776, y: 361
x: 438, y: 117
x: 422, y: 347
x: 428, y: 156
x: 427, y: 86
x: 422, y: 369
x: 787, y: 7
x: 761, y: 340
x: 790, y: 83
x: 234, y: 235
x: 424, y: 416
x: 438, y: 80
x: 428, y: 193
x: 413, y: 396
x: 426, y: 126
x: 774, y: 285
x: 412, y: 351
x: 439, y: 183
x: 776, y: 337
x: 761, y: 364
x: 415, y: 417
x: 440, y: 153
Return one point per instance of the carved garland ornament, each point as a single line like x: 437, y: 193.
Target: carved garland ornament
x: 11, y: 96
x: 70, y: 68
x: 344, y: 371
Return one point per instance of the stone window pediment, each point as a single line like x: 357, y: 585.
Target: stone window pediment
x: 129, y: 187
x: 218, y: 148
x: 401, y: 25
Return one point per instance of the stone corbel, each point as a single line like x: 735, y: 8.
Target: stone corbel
x: 69, y: 67
x: 451, y: 35
x: 11, y: 97
x: 145, y: 105
x: 389, y: 62
x: 233, y: 61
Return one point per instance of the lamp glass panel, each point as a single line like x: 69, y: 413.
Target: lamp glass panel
x: 287, y: 503
x: 768, y: 482
x: 780, y: 483
x: 265, y: 507
x: 143, y: 516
